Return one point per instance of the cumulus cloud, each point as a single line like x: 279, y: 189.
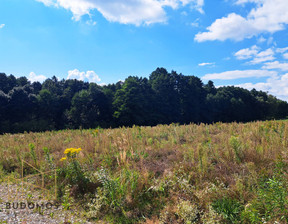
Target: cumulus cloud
x: 237, y: 74
x: 276, y: 65
x: 277, y: 86
x: 2, y: 25
x: 135, y: 12
x: 268, y: 16
x: 89, y: 76
x: 36, y: 78
x: 233, y: 27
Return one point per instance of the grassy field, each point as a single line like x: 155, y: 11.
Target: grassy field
x: 220, y: 173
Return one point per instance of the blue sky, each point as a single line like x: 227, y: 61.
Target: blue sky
x: 231, y: 42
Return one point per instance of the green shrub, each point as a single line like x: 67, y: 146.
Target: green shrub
x: 271, y: 203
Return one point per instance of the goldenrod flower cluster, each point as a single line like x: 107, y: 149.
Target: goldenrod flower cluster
x: 70, y: 152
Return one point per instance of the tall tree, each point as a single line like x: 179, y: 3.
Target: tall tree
x: 132, y: 103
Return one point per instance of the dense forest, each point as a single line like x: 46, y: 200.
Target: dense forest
x: 163, y: 98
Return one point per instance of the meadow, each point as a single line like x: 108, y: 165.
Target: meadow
x: 218, y: 173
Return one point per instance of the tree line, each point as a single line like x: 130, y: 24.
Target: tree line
x: 162, y: 98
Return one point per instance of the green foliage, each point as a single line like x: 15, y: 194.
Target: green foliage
x: 2, y: 173
x: 66, y: 199
x: 33, y: 153
x: 72, y: 173
x: 118, y: 188
x: 237, y: 148
x: 271, y: 203
x: 229, y: 208
x: 114, y: 193
x: 96, y: 206
x: 164, y: 98
x: 48, y: 158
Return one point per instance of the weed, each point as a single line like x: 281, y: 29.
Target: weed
x: 33, y: 153
x: 48, y: 158
x: 271, y: 203
x: 237, y: 148
x: 67, y: 200
x: 167, y: 173
x: 72, y: 173
x: 96, y: 206
x: 188, y: 212
x: 229, y: 208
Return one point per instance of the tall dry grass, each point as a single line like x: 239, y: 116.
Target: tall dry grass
x: 174, y: 170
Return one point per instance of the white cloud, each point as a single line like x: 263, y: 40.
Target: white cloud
x: 271, y: 41
x: 91, y: 23
x: 247, y: 53
x: 48, y: 2
x: 282, y: 50
x: 254, y: 54
x: 276, y: 65
x: 268, y: 16
x: 184, y: 13
x: 232, y: 27
x: 263, y: 56
x: 36, y: 78
x: 207, y: 64
x: 89, y: 76
x: 135, y: 12
x: 242, y: 2
x: 2, y: 25
x: 195, y: 23
x: 237, y: 74
x: 198, y: 5
x: 261, y: 40
x: 277, y: 86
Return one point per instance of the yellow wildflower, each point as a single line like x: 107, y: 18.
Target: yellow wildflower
x: 62, y: 159
x: 68, y: 150
x: 76, y: 150
x: 72, y: 151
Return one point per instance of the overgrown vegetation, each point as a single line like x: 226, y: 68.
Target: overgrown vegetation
x: 218, y: 173
x: 163, y: 98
